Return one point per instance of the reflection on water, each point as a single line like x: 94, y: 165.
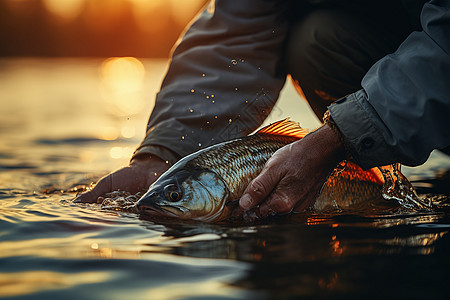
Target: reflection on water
x: 23, y: 283
x: 63, y: 126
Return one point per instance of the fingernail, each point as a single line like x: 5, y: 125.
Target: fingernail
x: 246, y: 201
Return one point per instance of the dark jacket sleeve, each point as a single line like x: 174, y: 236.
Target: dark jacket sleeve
x: 403, y: 111
x: 224, y: 77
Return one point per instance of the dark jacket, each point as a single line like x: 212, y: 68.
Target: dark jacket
x: 226, y: 74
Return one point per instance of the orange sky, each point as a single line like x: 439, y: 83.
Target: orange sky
x: 67, y: 27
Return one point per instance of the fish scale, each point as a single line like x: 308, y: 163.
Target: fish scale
x: 238, y: 161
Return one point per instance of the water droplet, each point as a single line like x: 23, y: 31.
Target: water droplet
x: 191, y: 110
x: 156, y: 174
x: 207, y: 122
x: 207, y: 97
x: 229, y: 120
x: 192, y: 90
x: 182, y: 137
x: 213, y: 101
x: 199, y: 144
x: 212, y: 96
x: 167, y: 162
x: 242, y: 60
x: 246, y: 101
x: 233, y: 61
x: 235, y: 88
x: 203, y: 75
x: 215, y: 117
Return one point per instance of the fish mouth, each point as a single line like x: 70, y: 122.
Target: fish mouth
x: 166, y: 211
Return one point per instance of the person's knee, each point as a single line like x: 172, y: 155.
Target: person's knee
x: 321, y: 52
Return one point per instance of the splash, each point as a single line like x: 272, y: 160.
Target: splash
x: 120, y: 201
x: 397, y: 187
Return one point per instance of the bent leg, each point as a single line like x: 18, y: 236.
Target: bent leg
x: 331, y: 48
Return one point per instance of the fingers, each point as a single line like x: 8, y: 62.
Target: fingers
x: 277, y: 202
x: 284, y: 184
x: 103, y: 186
x: 134, y: 178
x: 261, y: 187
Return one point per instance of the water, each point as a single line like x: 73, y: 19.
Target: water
x: 62, y: 127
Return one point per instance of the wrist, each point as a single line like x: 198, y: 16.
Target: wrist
x: 148, y: 160
x: 332, y: 145
x: 329, y: 122
x: 322, y: 146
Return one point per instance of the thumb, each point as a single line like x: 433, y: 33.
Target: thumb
x: 260, y: 187
x: 103, y: 186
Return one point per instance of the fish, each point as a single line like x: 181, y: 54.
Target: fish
x: 206, y: 185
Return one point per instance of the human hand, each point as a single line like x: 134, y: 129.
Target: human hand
x: 293, y: 176
x: 136, y: 177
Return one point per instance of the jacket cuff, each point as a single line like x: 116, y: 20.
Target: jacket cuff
x: 356, y: 120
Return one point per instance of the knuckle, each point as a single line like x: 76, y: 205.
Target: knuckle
x: 258, y: 188
x: 282, y: 204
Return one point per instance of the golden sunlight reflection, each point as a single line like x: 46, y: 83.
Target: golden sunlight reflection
x: 192, y: 289
x: 86, y: 156
x: 108, y: 133
x: 67, y: 9
x: 128, y: 131
x: 23, y: 283
x: 420, y: 240
x: 336, y: 246
x: 122, y: 80
x: 120, y: 152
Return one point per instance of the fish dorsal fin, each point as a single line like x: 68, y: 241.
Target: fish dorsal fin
x: 284, y: 127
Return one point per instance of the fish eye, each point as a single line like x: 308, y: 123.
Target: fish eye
x: 173, y: 193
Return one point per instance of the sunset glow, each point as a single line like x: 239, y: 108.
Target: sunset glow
x: 95, y: 28
x: 67, y: 9
x: 122, y: 83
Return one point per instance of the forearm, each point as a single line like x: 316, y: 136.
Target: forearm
x: 224, y: 77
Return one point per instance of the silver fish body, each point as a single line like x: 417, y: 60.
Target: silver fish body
x: 201, y: 184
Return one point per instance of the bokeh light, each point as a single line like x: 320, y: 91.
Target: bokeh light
x: 122, y: 81
x: 67, y: 9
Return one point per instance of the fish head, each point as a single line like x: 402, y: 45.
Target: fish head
x: 197, y: 194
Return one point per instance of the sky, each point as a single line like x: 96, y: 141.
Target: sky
x: 93, y: 28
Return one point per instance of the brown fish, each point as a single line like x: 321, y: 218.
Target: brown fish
x: 201, y: 185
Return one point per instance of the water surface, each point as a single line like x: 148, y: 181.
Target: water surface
x: 62, y: 126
